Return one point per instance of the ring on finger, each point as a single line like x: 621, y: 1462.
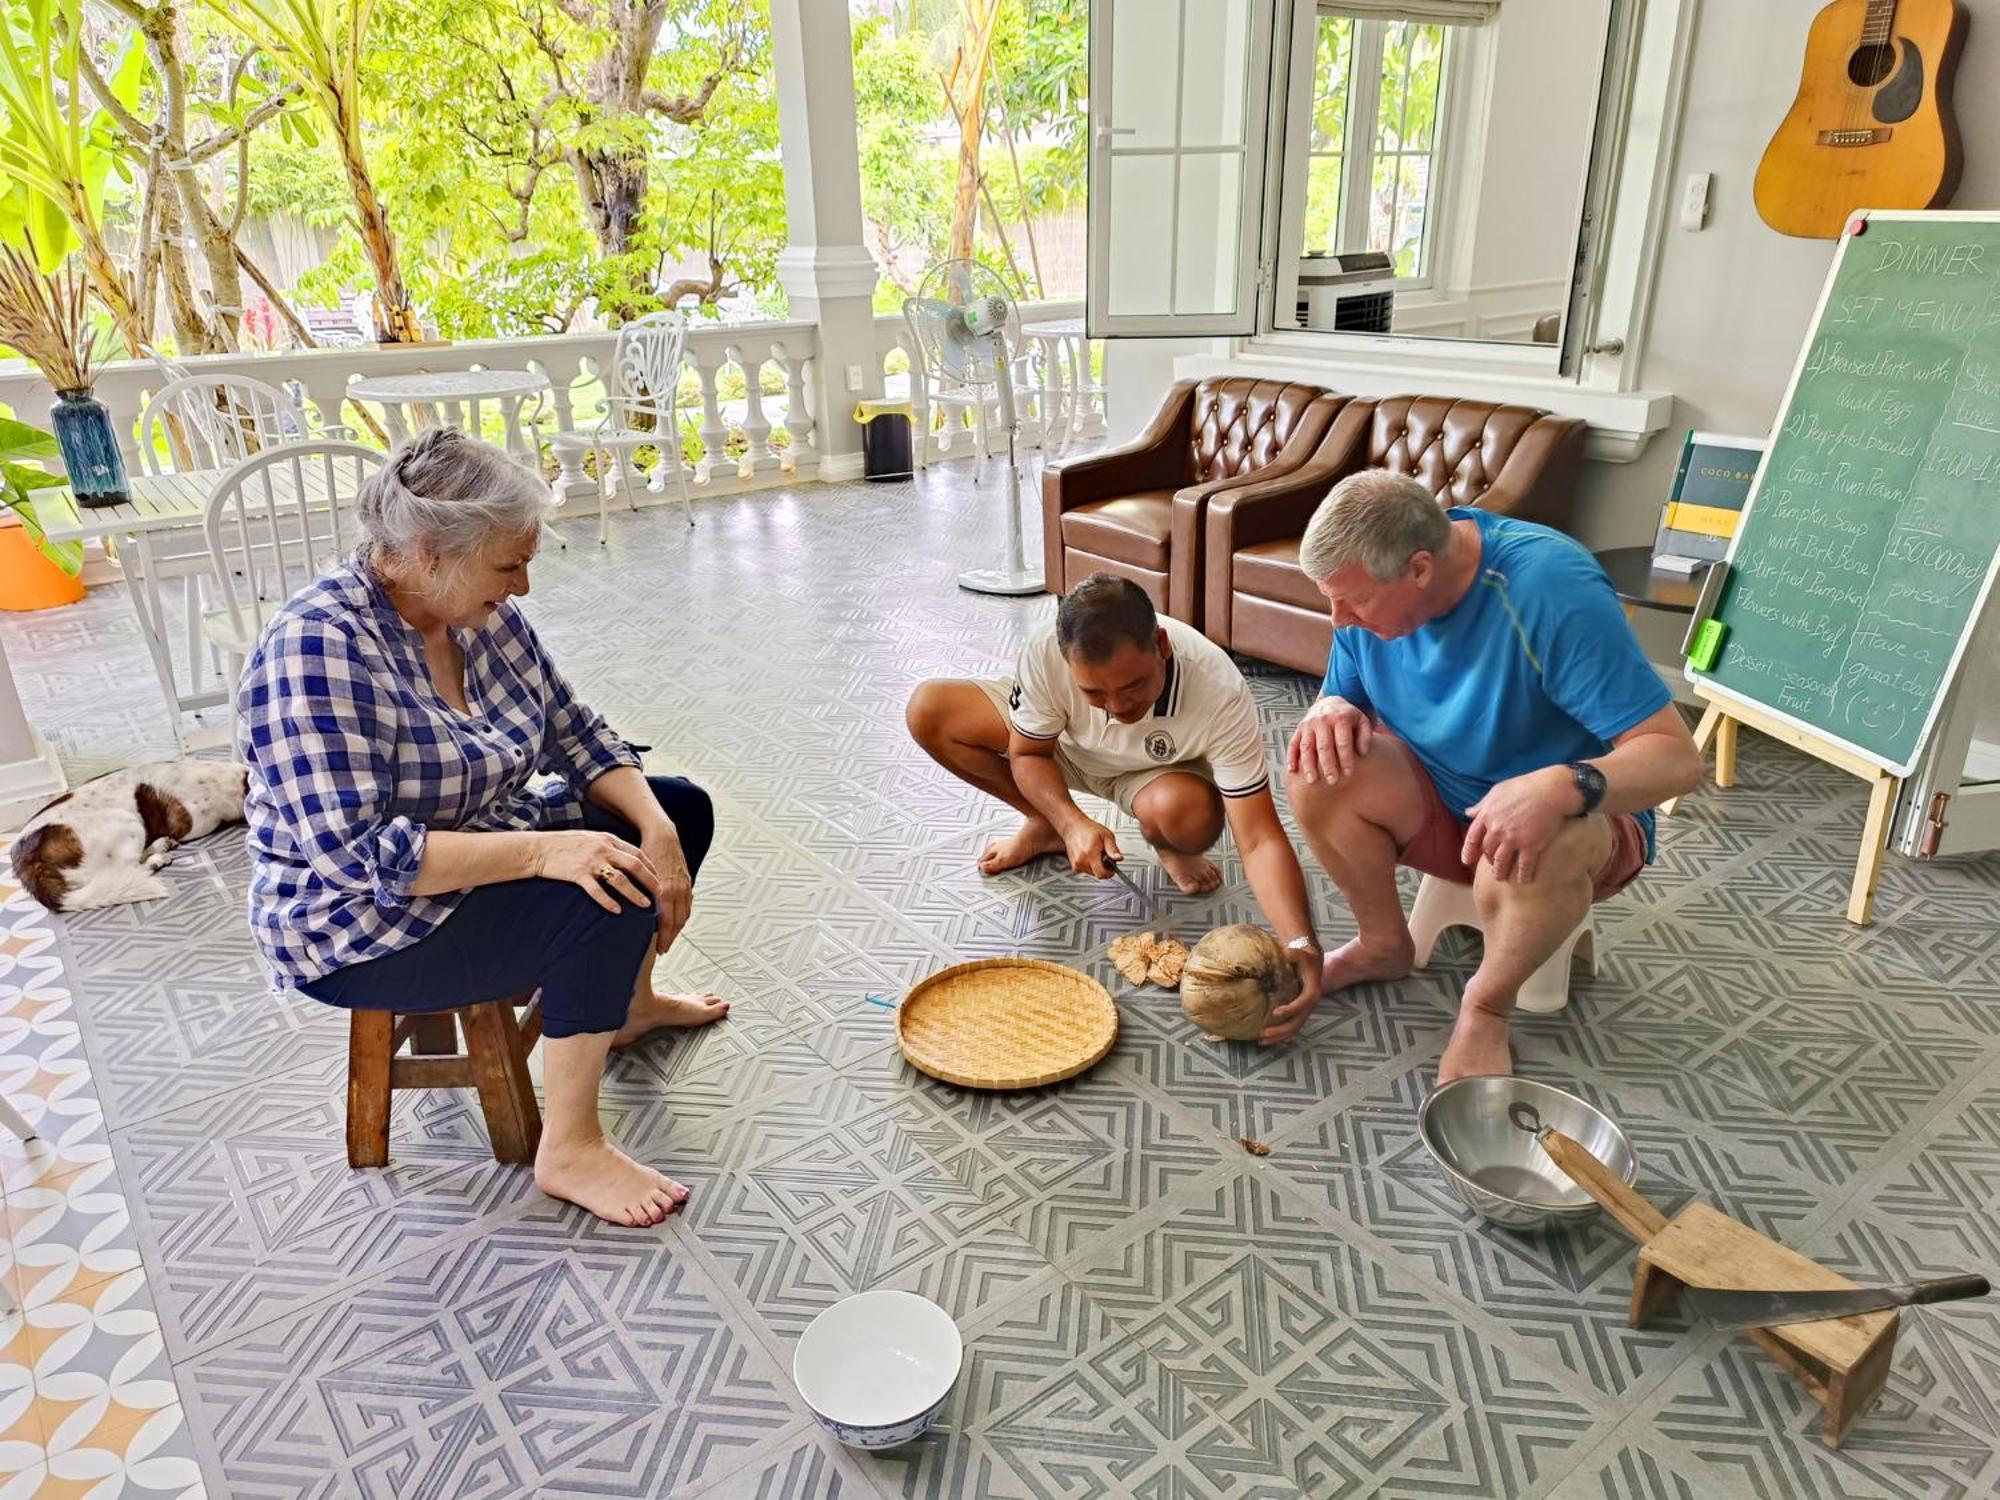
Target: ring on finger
x: 606, y: 872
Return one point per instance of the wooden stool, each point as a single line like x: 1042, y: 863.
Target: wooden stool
x: 1446, y: 903
x: 495, y: 1062
x: 1842, y: 1362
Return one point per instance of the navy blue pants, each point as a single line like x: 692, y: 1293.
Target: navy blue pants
x: 520, y: 935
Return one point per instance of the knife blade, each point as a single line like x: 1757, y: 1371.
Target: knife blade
x: 1730, y: 1309
x: 1151, y: 907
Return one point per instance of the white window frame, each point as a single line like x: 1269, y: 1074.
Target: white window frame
x: 1467, y: 82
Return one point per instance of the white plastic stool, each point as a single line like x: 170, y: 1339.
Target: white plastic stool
x: 1446, y: 903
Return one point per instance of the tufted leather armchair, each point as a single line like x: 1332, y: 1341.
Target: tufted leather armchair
x: 1137, y: 510
x: 1517, y: 460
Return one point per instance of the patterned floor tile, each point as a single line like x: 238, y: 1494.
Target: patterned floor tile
x: 804, y: 1465
x: 250, y: 1207
x: 512, y: 1364
x: 1369, y: 1384
x: 67, y: 1233
x: 1057, y: 1398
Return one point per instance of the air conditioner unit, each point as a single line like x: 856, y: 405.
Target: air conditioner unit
x: 1351, y: 293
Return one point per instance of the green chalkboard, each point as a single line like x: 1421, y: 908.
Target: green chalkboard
x: 1871, y: 538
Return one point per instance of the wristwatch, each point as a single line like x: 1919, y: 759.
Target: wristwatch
x: 1305, y: 945
x: 1589, y: 782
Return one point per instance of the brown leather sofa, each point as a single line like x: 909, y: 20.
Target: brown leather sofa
x: 1517, y: 460
x: 1137, y: 510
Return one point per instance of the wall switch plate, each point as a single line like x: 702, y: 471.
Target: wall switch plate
x: 854, y: 379
x: 1695, y: 194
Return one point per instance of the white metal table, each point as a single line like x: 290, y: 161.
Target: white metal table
x: 453, y: 398
x: 152, y: 535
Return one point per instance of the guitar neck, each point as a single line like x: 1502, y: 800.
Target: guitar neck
x: 1880, y: 24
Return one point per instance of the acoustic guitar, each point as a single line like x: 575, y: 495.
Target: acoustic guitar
x: 1872, y: 126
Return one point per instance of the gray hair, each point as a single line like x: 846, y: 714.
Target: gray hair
x: 451, y: 494
x: 1379, y: 519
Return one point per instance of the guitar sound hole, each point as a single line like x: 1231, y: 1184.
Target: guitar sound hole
x: 1870, y: 65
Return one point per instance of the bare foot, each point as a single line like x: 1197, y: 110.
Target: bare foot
x: 1195, y: 874
x: 597, y: 1176
x: 1478, y: 1047
x: 651, y: 1012
x: 1354, y: 962
x: 1033, y: 839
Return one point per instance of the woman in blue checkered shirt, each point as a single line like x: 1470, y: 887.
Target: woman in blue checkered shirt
x: 400, y: 718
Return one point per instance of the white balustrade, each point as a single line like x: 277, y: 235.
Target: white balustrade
x: 572, y: 362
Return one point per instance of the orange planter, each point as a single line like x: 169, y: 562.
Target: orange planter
x: 29, y: 580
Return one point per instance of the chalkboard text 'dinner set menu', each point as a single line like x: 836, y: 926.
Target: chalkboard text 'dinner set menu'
x: 1871, y: 540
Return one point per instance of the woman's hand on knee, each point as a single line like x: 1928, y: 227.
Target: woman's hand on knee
x: 603, y: 865
x: 662, y: 847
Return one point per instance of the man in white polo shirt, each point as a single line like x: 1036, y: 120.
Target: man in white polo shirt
x: 1145, y: 713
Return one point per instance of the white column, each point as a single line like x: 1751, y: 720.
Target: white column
x: 30, y: 774
x: 826, y: 269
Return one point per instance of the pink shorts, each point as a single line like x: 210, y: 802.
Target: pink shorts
x: 1436, y: 848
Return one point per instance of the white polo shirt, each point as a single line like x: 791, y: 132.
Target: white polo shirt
x: 1205, y: 712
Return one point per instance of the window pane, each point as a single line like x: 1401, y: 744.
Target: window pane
x: 1412, y: 197
x: 1411, y: 56
x: 1210, y: 231
x: 1323, y: 205
x: 1144, y: 58
x: 1382, y: 204
x: 1214, y: 58
x: 1141, y: 227
x: 1333, y: 60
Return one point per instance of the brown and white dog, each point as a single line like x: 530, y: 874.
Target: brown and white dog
x: 100, y: 845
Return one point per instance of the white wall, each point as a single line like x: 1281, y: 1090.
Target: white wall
x: 1522, y: 182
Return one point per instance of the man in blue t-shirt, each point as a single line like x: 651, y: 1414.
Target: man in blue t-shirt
x: 1487, y: 718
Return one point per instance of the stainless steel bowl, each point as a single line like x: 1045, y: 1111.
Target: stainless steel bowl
x: 1499, y: 1169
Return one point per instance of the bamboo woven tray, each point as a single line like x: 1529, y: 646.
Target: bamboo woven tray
x: 1007, y: 1023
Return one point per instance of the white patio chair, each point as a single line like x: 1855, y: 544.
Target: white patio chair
x: 640, y: 410
x: 275, y: 523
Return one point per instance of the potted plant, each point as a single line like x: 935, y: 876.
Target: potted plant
x: 35, y: 573
x: 43, y: 316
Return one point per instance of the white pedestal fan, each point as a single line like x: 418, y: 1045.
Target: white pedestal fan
x: 959, y: 321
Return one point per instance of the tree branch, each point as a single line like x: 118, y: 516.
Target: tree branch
x: 222, y: 140
x: 682, y: 109
x: 141, y: 133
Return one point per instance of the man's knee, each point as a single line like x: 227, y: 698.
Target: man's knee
x: 1180, y: 812
x: 928, y: 711
x: 1566, y: 869
x: 693, y: 812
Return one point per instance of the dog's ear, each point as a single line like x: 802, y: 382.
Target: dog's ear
x: 39, y: 859
x: 162, y: 814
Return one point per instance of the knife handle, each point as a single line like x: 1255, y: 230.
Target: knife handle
x: 1947, y: 1289
x: 1624, y: 1203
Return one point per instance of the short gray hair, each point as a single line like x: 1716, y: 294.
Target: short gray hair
x: 1378, y: 519
x: 450, y: 493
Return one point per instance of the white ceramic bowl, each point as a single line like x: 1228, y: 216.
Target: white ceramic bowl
x: 875, y: 1368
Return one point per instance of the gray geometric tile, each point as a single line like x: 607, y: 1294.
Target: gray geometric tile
x: 248, y: 1208
x: 1058, y: 1399
x: 1369, y: 1384
x: 503, y: 1365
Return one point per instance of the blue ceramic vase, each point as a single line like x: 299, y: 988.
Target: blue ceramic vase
x: 89, y: 450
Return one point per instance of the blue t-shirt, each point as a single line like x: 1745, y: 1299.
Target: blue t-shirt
x: 1535, y: 666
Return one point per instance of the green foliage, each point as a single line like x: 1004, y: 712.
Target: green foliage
x: 19, y: 479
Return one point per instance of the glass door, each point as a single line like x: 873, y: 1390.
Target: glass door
x: 1178, y: 98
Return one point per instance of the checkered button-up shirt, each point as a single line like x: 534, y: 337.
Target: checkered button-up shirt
x: 353, y: 755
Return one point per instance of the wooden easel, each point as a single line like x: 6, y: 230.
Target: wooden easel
x: 1719, y: 722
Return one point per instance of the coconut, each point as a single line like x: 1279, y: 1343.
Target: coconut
x: 1234, y: 978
